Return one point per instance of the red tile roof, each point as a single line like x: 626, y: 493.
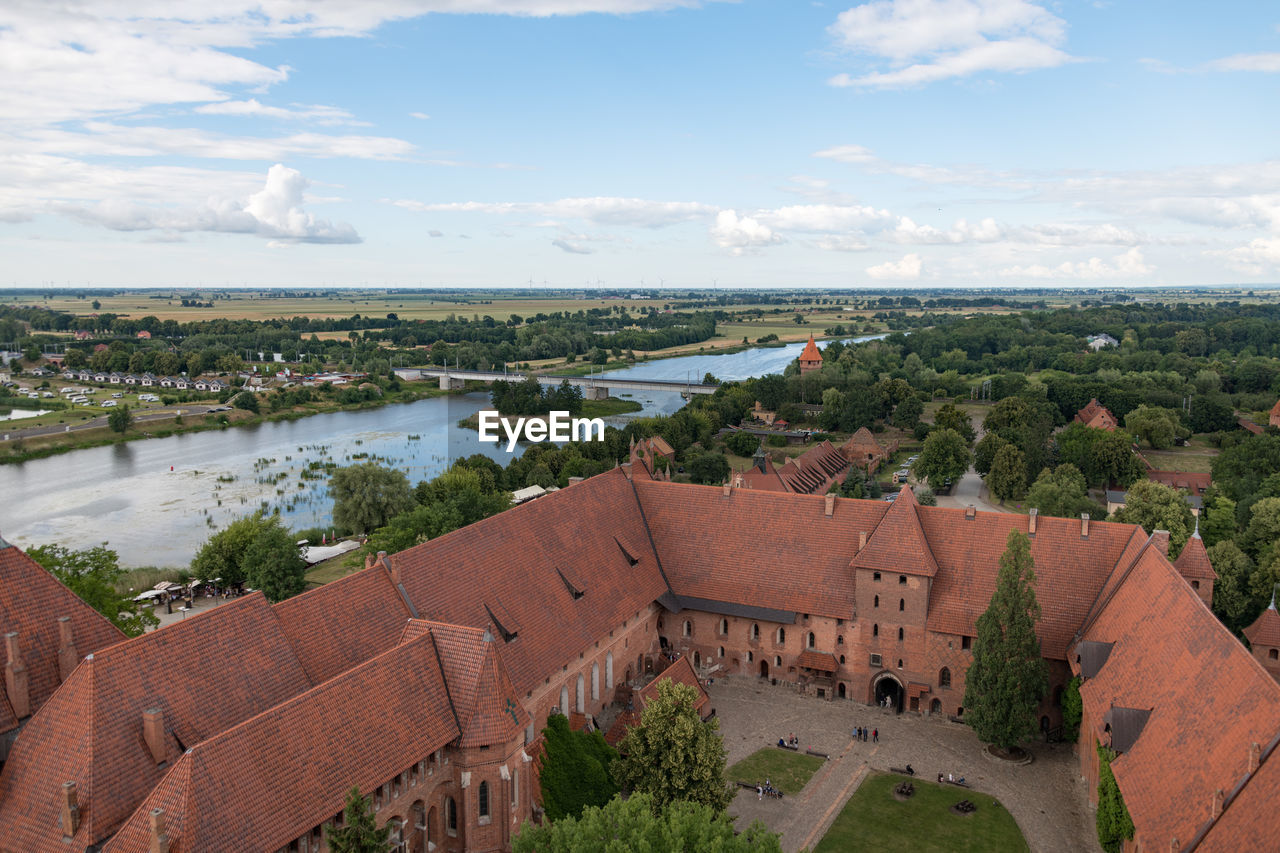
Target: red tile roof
x: 822, y: 661
x: 811, y: 352
x: 1193, y: 561
x: 1096, y: 415
x: 813, y: 471
x: 767, y: 480
x: 764, y: 549
x: 343, y: 623
x: 206, y: 673
x: 898, y: 543
x: 680, y: 672
x: 1248, y: 820
x: 272, y: 778
x: 1208, y: 698
x: 1265, y: 630
x: 31, y: 600
x: 508, y: 563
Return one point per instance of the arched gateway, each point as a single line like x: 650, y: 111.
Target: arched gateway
x: 886, y: 685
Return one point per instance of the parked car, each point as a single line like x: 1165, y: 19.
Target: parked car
x: 117, y: 395
x: 108, y: 403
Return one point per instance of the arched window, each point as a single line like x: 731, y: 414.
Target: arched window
x: 902, y: 604
x: 720, y: 652
x: 810, y: 641
x: 935, y: 707
x: 875, y: 630
x: 777, y: 661
x: 755, y: 632
x: 608, y: 671
x: 581, y: 704
x: 451, y: 815
x: 900, y: 635
x: 875, y: 576
x: 515, y: 786
x: 840, y: 640
x: 724, y: 627
x: 750, y: 657
x: 688, y: 628
x: 564, y: 700
x: 482, y: 798
x: 595, y: 682
x: 841, y: 660
x: 899, y: 663
x: 782, y: 636
x: 876, y: 602
x: 944, y: 677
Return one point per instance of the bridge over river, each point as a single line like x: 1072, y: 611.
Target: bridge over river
x: 594, y: 387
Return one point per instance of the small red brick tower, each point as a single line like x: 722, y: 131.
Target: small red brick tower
x: 811, y: 358
x: 1264, y: 639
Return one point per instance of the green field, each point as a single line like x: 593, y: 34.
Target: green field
x: 788, y: 771
x: 874, y: 821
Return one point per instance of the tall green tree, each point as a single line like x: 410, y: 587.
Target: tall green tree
x: 93, y: 574
x: 1062, y: 493
x: 945, y: 456
x: 120, y: 419
x: 365, y: 496
x: 575, y: 770
x: 272, y: 562
x: 1233, y: 601
x: 1114, y: 824
x: 1072, y: 710
x: 949, y: 416
x: 1007, y: 479
x: 1219, y: 521
x: 672, y: 755
x: 1154, y: 425
x: 359, y: 832
x: 634, y: 824
x: 1008, y: 676
x: 1156, y: 506
x: 984, y: 453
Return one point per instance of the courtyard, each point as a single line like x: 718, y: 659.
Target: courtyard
x: 1047, y: 798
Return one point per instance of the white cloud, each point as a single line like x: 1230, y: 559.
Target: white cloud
x: 421, y: 116
x: 817, y: 218
x: 274, y: 212
x: 1257, y: 257
x: 602, y: 210
x: 318, y: 113
x: 1265, y: 62
x: 929, y: 40
x: 741, y: 234
x: 1128, y: 265
x: 906, y: 269
x: 571, y: 248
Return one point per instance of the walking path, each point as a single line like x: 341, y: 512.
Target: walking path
x: 1047, y: 798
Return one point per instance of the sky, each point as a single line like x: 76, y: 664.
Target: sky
x: 639, y: 143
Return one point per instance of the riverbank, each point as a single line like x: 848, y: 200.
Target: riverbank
x: 21, y: 448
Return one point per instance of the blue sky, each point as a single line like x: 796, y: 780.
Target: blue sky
x: 400, y: 142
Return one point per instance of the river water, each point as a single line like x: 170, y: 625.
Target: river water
x: 155, y: 501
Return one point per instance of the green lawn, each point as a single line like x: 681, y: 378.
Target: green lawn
x: 333, y: 569
x: 788, y: 771
x: 873, y: 820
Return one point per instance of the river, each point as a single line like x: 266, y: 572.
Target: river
x: 154, y: 501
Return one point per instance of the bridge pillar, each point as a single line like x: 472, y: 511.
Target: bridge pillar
x: 448, y: 383
x: 595, y: 392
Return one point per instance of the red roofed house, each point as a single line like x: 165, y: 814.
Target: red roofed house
x: 144, y: 334
x: 1098, y: 416
x: 1274, y: 419
x: 426, y: 678
x: 811, y: 358
x: 864, y: 451
x: 812, y: 472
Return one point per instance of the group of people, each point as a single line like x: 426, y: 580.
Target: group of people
x: 863, y: 733
x: 790, y: 741
x: 767, y: 788
x: 950, y: 778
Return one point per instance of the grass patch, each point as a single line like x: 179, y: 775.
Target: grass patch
x: 873, y: 820
x: 332, y: 569
x: 788, y: 771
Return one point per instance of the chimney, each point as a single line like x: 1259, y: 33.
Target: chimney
x: 970, y: 512
x: 70, y: 810
x: 67, y: 657
x: 392, y: 570
x: 153, y: 733
x: 862, y: 539
x: 15, y: 678
x: 1160, y: 539
x: 727, y: 488
x: 368, y: 561
x: 831, y: 505
x: 159, y: 837
x: 1215, y: 808
x: 1031, y: 521
x: 1084, y: 525
x: 573, y: 481
x: 1255, y: 757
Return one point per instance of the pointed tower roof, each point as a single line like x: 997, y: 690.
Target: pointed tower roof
x: 898, y: 543
x: 1265, y: 630
x: 811, y: 351
x: 1193, y: 562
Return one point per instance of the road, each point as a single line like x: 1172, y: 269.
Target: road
x: 971, y: 490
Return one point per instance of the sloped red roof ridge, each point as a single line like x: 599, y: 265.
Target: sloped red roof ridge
x: 393, y: 711
x: 32, y: 602
x: 898, y: 543
x: 1209, y: 700
x: 1193, y: 561
x: 680, y: 672
x: 1265, y: 630
x: 811, y: 352
x: 237, y: 664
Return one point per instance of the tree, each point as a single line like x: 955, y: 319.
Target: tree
x: 1008, y: 677
x: 96, y: 305
x: 366, y: 496
x: 945, y: 457
x: 1072, y: 710
x: 1156, y: 506
x: 119, y: 419
x: 985, y: 452
x: 1008, y: 477
x: 1062, y: 493
x: 634, y: 824
x: 672, y: 755
x: 1156, y: 426
x: 907, y: 413
x: 1113, y: 821
x: 708, y: 468
x: 1219, y: 520
x: 92, y: 574
x: 950, y: 417
x: 1232, y: 602
x: 246, y: 400
x: 1259, y: 538
x: 359, y: 832
x: 575, y: 770
x: 272, y: 563
x: 742, y: 443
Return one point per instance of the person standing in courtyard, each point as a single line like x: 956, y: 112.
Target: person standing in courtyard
x: 875, y: 735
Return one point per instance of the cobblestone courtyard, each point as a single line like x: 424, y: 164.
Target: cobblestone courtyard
x: 1047, y: 797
